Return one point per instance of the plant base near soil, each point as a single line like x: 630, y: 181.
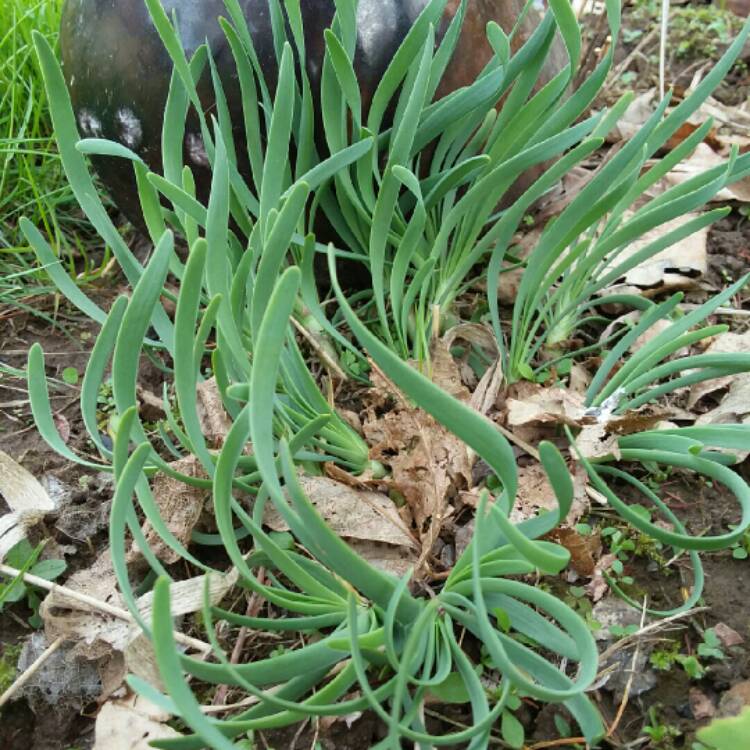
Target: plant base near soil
x: 726, y: 595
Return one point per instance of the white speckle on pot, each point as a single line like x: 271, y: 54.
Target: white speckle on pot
x: 89, y: 123
x: 375, y: 19
x: 197, y: 150
x: 130, y: 130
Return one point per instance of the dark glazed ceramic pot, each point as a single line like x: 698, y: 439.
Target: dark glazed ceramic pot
x: 118, y: 71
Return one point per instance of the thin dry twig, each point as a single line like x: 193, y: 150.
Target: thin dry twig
x: 653, y: 626
x: 721, y: 310
x: 625, y: 64
x: 328, y: 361
x: 31, y: 671
x: 253, y: 608
x: 663, y: 32
x: 520, y: 442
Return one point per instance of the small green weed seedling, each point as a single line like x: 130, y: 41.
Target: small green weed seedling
x: 661, y: 734
x: 24, y: 558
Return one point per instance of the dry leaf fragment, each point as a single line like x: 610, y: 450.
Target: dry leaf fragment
x: 28, y: 501
x: 130, y: 724
x: 728, y: 636
x: 600, y: 427
x: 487, y: 391
x: 596, y: 441
x: 687, y: 129
x: 545, y: 406
x: 535, y: 493
x: 734, y: 407
x: 725, y: 343
x: 599, y: 586
x: 102, y: 637
x: 579, y: 379
x: 584, y: 550
x: 368, y: 520
x: 634, y: 117
x: 677, y: 267
x: 180, y: 507
x: 701, y: 706
x: 95, y: 634
x: 701, y: 160
x: 429, y: 465
x: 444, y: 370
x: 213, y: 417
x: 62, y: 426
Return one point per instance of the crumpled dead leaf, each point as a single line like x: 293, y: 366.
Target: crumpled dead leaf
x: 701, y: 706
x: 725, y: 343
x: 130, y: 724
x: 679, y: 266
x: 429, y: 465
x: 28, y: 501
x: 701, y: 160
x: 728, y: 636
x: 585, y: 550
x: 644, y: 105
x: 543, y: 407
x: 598, y: 586
x: 546, y: 406
x: 368, y: 521
x: 734, y: 407
x: 634, y: 117
x: 180, y: 507
x: 94, y: 633
x: 213, y: 417
x: 535, y: 493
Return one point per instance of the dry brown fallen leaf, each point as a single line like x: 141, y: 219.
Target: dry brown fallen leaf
x: 701, y: 160
x: 130, y: 724
x: 632, y: 318
x: 542, y: 407
x: 28, y: 501
x: 598, y: 586
x: 728, y: 636
x: 213, y: 417
x: 367, y: 520
x: 180, y: 506
x: 725, y: 343
x: 701, y: 706
x: 734, y: 407
x: 585, y: 551
x: 634, y: 117
x: 429, y: 465
x: 644, y: 105
x: 679, y: 266
x: 535, y: 493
